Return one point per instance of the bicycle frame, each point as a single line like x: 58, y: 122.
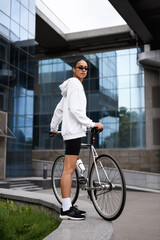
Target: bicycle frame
x: 94, y: 154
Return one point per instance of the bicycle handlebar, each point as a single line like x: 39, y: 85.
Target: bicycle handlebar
x: 93, y: 130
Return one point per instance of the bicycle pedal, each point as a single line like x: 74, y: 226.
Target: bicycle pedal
x: 82, y: 180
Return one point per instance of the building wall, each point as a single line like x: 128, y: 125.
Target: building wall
x: 152, y: 95
x: 17, y: 34
x: 143, y: 99
x: 145, y: 160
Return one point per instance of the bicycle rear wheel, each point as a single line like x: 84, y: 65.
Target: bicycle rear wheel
x: 56, y: 175
x: 108, y: 197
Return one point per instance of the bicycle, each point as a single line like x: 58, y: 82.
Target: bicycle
x: 105, y: 182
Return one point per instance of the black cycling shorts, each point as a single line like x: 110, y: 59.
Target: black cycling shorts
x: 73, y: 146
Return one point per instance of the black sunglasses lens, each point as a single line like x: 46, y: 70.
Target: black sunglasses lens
x: 81, y: 68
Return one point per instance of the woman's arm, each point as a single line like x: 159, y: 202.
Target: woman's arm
x: 57, y: 117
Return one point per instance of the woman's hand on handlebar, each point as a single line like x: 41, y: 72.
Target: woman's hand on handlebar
x: 99, y: 126
x: 53, y: 134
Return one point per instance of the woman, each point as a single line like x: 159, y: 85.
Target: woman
x: 71, y: 111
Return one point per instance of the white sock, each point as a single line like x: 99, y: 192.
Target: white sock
x: 66, y: 204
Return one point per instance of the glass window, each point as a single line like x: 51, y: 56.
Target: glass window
x: 138, y: 115
x: 31, y: 24
x: 5, y: 6
x: 31, y: 41
x: 15, y: 36
x: 29, y: 121
x: 137, y: 80
x: 29, y: 107
x: 44, y: 140
x: 32, y: 6
x: 109, y: 136
x: 25, y: 3
x: 134, y: 68
x: 45, y: 119
x: 13, y: 78
x: 123, y: 65
x: 14, y: 55
x: 4, y: 50
x: 23, y: 60
x: 22, y: 82
x: 4, y: 73
x: 124, y: 81
x: 30, y: 83
x: 23, y: 34
x: 138, y: 134
x: 124, y: 98
x: 15, y: 11
x: 20, y: 135
x: 21, y: 104
x: 3, y: 98
x: 31, y: 64
x: 23, y: 17
x: 137, y: 98
x: 28, y: 135
x: 124, y: 135
x: 122, y: 52
x: 20, y: 121
x: 4, y: 25
x: 36, y: 120
x: 5, y: 20
x: 36, y: 137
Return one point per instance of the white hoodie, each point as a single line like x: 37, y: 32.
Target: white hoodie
x: 71, y: 111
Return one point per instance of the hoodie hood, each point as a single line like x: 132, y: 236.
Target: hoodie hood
x: 64, y: 87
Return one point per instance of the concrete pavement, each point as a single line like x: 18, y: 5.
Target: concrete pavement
x: 92, y: 228
x: 140, y: 219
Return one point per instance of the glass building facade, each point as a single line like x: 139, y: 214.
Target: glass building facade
x: 115, y: 95
x: 17, y: 35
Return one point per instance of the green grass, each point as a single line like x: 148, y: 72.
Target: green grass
x: 24, y: 222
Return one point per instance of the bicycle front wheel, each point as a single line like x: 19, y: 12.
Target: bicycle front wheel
x: 56, y: 175
x: 108, y: 193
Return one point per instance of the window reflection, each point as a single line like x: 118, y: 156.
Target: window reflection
x: 14, y: 31
x: 15, y: 11
x: 123, y: 65
x: 23, y: 17
x: 114, y: 89
x: 5, y: 6
x: 124, y: 98
x: 16, y: 81
x: 4, y: 25
x: 137, y: 97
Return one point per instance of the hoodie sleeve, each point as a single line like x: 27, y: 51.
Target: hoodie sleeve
x: 77, y: 107
x: 57, y: 116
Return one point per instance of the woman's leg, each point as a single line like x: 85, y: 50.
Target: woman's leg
x: 66, y: 180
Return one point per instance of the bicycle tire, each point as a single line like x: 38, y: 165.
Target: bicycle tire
x: 56, y: 175
x: 109, y: 203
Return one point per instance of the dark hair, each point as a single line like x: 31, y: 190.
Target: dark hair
x: 75, y: 63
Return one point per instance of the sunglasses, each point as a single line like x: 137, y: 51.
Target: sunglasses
x: 81, y: 68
